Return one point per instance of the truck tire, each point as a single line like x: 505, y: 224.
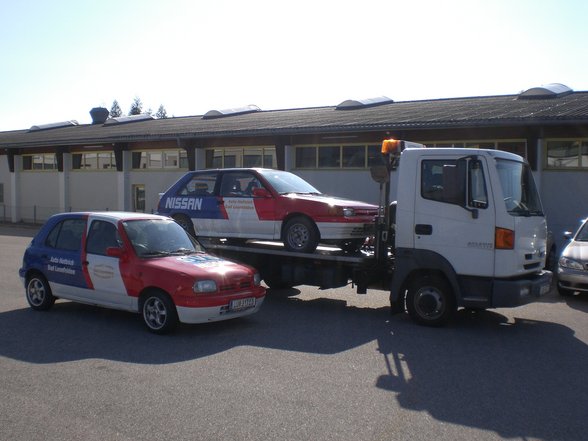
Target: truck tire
x: 300, y: 234
x: 430, y: 301
x: 186, y: 223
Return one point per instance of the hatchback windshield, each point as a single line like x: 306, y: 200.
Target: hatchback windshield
x: 154, y: 237
x: 518, y: 187
x: 284, y: 182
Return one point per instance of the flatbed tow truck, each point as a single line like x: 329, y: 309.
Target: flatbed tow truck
x: 467, y: 230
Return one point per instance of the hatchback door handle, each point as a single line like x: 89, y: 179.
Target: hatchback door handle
x: 423, y: 229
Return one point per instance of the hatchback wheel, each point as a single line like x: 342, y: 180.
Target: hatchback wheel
x: 159, y: 313
x: 39, y: 293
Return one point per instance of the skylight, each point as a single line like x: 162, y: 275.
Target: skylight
x: 551, y: 90
x: 360, y: 104
x: 55, y: 125
x: 211, y: 114
x: 128, y: 119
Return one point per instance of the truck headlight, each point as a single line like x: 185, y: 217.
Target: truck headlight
x: 566, y: 262
x: 348, y: 212
x: 201, y: 286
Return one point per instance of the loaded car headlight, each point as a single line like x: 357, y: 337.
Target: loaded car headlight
x: 256, y: 279
x: 348, y: 212
x: 204, y: 286
x: 566, y: 262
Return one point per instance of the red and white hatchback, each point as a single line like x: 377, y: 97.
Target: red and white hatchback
x: 257, y: 203
x: 136, y: 262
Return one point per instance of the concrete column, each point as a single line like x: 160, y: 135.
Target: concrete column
x: 123, y: 183
x: 64, y: 185
x: 288, y: 157
x: 15, y: 190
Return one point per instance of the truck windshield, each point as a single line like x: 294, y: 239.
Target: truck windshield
x: 518, y: 187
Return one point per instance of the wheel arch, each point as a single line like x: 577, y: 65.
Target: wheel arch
x: 293, y: 215
x: 412, y: 264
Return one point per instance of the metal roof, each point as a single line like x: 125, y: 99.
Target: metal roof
x: 488, y: 111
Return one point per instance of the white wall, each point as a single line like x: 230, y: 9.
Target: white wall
x: 93, y: 190
x: 39, y: 195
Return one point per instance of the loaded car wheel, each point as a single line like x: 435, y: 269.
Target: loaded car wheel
x: 300, y: 234
x: 186, y: 223
x: 159, y: 313
x: 39, y: 293
x: 430, y: 301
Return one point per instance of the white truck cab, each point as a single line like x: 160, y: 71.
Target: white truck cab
x: 469, y: 222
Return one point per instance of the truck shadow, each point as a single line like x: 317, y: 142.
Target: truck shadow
x: 521, y: 378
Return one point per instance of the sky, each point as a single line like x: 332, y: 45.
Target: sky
x: 60, y: 58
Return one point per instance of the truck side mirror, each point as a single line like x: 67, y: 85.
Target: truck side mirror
x: 380, y: 173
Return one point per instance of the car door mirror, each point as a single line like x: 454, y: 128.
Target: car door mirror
x: 261, y: 193
x: 115, y: 252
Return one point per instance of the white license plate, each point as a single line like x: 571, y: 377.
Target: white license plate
x: 239, y: 304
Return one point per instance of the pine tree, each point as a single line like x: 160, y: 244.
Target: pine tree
x: 136, y: 107
x: 115, y: 110
x: 161, y: 113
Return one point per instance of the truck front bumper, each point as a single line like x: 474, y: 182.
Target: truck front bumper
x: 515, y: 292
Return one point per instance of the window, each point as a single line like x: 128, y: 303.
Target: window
x: 238, y: 184
x: 442, y: 181
x: 159, y: 159
x: 201, y: 184
x: 67, y: 235
x: 102, y: 235
x: 567, y: 154
x: 93, y: 161
x: 1, y: 193
x: 45, y: 161
x: 230, y: 157
x: 139, y: 198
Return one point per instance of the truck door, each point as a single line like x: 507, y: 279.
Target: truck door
x: 453, y: 213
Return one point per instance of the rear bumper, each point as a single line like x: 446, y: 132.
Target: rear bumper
x: 508, y: 293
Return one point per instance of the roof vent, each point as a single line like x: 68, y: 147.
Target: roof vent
x: 99, y: 115
x: 55, y: 125
x: 128, y: 119
x: 361, y: 104
x: 551, y: 90
x: 211, y: 114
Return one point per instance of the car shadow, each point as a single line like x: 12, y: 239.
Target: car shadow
x: 518, y: 378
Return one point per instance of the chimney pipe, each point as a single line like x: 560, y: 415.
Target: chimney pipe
x: 99, y: 115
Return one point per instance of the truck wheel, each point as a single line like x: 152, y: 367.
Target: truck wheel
x: 39, y: 293
x: 301, y: 234
x: 159, y: 313
x: 186, y: 223
x: 430, y: 301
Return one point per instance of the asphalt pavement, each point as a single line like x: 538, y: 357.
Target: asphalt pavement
x: 311, y: 365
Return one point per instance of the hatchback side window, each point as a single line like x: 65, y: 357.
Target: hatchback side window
x: 239, y: 184
x: 201, y: 184
x: 102, y: 235
x: 67, y: 235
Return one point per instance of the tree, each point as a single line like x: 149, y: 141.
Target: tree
x: 136, y: 107
x: 161, y: 113
x: 115, y: 110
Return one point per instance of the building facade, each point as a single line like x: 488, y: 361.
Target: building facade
x: 125, y: 163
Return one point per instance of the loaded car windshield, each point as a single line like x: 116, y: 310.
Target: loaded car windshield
x: 284, y: 182
x: 518, y: 188
x: 151, y: 238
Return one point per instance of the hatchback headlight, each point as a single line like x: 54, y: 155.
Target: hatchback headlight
x: 348, y: 212
x: 566, y: 262
x: 256, y: 279
x: 201, y: 286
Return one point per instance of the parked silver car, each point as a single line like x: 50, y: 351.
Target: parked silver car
x: 572, y: 267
